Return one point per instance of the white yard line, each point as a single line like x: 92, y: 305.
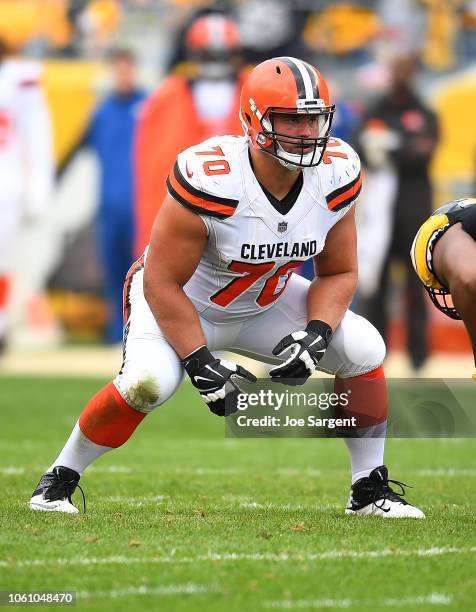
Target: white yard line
x: 436, y: 599
x: 171, y: 589
x: 252, y: 505
x: 446, y: 472
x: 207, y: 471
x: 11, y: 470
x: 210, y: 471
x: 300, y: 472
x: 136, y: 501
x: 225, y: 557
x: 198, y: 471
x: 242, y: 503
x: 110, y: 469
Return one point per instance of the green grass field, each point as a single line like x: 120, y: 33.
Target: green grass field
x: 181, y: 518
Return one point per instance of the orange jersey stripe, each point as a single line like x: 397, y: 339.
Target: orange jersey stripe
x: 196, y: 201
x: 348, y: 193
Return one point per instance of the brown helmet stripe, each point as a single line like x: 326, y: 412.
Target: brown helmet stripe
x: 301, y: 89
x: 305, y: 77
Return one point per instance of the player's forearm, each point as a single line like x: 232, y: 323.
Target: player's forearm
x: 329, y: 297
x: 176, y: 316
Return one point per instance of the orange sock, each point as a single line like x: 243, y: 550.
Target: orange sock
x: 367, y: 400
x: 108, y: 419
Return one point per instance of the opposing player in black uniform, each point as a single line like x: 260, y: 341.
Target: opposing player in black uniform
x: 444, y: 257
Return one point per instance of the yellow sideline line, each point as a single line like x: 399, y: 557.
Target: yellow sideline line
x: 105, y: 362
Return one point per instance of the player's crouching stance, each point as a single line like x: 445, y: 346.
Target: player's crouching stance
x: 241, y: 215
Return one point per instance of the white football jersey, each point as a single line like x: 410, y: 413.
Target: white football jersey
x: 26, y: 151
x: 252, y: 249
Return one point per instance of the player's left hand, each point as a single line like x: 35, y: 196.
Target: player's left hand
x: 307, y: 349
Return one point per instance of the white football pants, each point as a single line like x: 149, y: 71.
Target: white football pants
x: 152, y: 371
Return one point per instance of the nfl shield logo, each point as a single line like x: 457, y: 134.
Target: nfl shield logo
x: 282, y: 226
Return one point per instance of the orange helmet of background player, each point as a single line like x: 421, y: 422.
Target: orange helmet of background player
x: 213, y: 45
x: 286, y: 85
x: 212, y: 32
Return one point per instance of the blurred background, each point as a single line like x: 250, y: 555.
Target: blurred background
x: 97, y: 97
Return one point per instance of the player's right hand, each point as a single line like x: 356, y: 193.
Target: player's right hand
x: 214, y: 380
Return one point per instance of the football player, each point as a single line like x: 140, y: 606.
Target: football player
x: 241, y: 214
x: 444, y: 257
x: 26, y: 161
x: 206, y: 89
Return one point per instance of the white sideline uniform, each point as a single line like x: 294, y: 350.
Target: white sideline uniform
x: 244, y: 289
x: 26, y: 152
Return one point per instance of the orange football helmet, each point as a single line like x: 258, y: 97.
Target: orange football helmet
x: 212, y: 31
x: 213, y: 44
x: 286, y: 85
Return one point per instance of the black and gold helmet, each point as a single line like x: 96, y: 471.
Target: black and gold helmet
x: 422, y: 251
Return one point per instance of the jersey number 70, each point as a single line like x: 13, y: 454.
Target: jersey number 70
x: 251, y: 274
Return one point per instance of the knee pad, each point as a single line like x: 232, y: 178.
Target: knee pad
x: 141, y: 390
x: 150, y: 374
x: 365, y: 348
x: 374, y: 350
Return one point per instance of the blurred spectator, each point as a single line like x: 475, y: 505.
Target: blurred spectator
x: 267, y: 28
x: 467, y: 42
x: 343, y: 29
x: 26, y: 161
x: 59, y: 27
x: 404, y: 25
x: 110, y: 135
x: 93, y: 23
x: 29, y: 23
x: 271, y: 28
x: 183, y: 111
x: 443, y: 25
x: 396, y: 141
x: 179, y: 57
x: 346, y: 116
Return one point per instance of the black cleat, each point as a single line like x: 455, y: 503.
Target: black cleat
x: 373, y: 496
x: 54, y: 491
